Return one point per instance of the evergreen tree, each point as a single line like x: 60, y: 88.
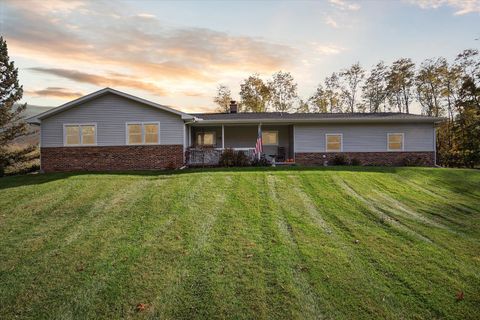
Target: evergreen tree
x: 11, y: 123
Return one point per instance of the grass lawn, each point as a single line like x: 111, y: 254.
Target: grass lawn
x: 336, y: 243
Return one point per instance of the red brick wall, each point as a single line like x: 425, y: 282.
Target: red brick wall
x: 63, y: 159
x: 368, y: 158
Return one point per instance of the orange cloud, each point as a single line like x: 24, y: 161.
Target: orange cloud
x: 55, y: 92
x: 114, y: 80
x: 91, y: 34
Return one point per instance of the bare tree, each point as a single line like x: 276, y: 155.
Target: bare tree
x: 333, y: 93
x: 283, y: 91
x: 400, y: 82
x: 223, y: 98
x: 352, y: 78
x: 375, y: 88
x: 319, y: 100
x: 429, y: 86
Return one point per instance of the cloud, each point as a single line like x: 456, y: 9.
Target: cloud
x: 55, y: 92
x: 461, y: 7
x: 331, y: 22
x: 94, y: 35
x: 327, y: 49
x: 344, y: 5
x: 114, y: 80
x: 146, y: 16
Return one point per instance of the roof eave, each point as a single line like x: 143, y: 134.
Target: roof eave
x: 256, y: 121
x: 101, y: 92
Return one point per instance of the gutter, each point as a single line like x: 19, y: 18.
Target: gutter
x: 332, y: 120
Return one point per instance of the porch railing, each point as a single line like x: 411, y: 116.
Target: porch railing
x: 211, y: 156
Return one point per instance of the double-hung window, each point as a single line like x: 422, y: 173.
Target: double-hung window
x: 207, y: 138
x: 395, y: 141
x: 270, y: 138
x: 80, y: 134
x: 143, y: 133
x: 334, y: 142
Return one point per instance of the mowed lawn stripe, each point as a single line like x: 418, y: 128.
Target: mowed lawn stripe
x: 241, y: 243
x: 379, y: 244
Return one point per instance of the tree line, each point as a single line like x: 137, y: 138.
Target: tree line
x: 442, y: 88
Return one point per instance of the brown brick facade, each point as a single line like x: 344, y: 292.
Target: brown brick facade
x: 369, y: 158
x: 64, y: 159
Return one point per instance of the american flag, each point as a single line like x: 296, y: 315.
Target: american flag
x: 258, y: 145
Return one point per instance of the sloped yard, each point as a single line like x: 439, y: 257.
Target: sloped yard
x: 242, y: 244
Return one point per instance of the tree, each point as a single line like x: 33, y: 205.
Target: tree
x: 254, y: 94
x: 429, y: 86
x: 283, y: 91
x: 12, y: 124
x: 333, y: 94
x: 223, y: 98
x: 302, y: 106
x: 352, y: 77
x: 458, y: 139
x: 375, y: 88
x: 400, y: 81
x: 319, y: 100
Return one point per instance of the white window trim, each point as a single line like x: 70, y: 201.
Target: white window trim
x: 271, y: 144
x: 65, y: 125
x: 208, y: 145
x: 333, y: 134
x: 403, y: 141
x: 142, y: 123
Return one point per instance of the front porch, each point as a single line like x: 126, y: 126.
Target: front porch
x: 206, y: 143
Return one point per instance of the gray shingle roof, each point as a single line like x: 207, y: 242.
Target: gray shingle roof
x: 278, y: 116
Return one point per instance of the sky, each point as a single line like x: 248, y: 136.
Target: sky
x: 177, y: 52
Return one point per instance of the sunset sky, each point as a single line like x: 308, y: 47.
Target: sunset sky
x: 177, y: 53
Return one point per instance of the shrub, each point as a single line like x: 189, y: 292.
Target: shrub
x: 241, y: 159
x: 262, y: 162
x: 227, y: 158
x: 355, y: 162
x: 412, y: 162
x: 339, y: 160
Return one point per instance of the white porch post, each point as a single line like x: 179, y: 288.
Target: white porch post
x: 259, y: 131
x: 223, y: 136
x: 189, y: 136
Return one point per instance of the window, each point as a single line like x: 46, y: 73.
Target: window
x: 270, y: 138
x: 206, y: 139
x: 334, y: 142
x: 395, y: 142
x: 143, y: 133
x: 80, y: 134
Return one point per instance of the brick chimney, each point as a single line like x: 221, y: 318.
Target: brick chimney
x: 233, y: 106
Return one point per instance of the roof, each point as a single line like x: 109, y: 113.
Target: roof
x: 255, y: 117
x: 36, y: 119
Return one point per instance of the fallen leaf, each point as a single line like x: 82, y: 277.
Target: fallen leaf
x: 249, y: 255
x: 460, y: 295
x: 141, y: 307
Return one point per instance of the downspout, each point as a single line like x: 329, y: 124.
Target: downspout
x: 434, y: 145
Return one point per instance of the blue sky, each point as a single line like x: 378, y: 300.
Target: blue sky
x: 177, y: 53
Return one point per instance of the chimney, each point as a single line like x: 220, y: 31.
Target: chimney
x: 233, y: 106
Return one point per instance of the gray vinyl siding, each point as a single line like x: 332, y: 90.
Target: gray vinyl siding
x: 364, y: 137
x: 110, y: 112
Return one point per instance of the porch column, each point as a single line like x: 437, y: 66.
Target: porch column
x: 259, y: 131
x: 223, y: 136
x: 189, y: 136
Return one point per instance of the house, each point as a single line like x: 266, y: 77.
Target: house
x: 112, y: 130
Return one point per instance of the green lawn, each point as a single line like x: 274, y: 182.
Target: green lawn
x: 242, y: 244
